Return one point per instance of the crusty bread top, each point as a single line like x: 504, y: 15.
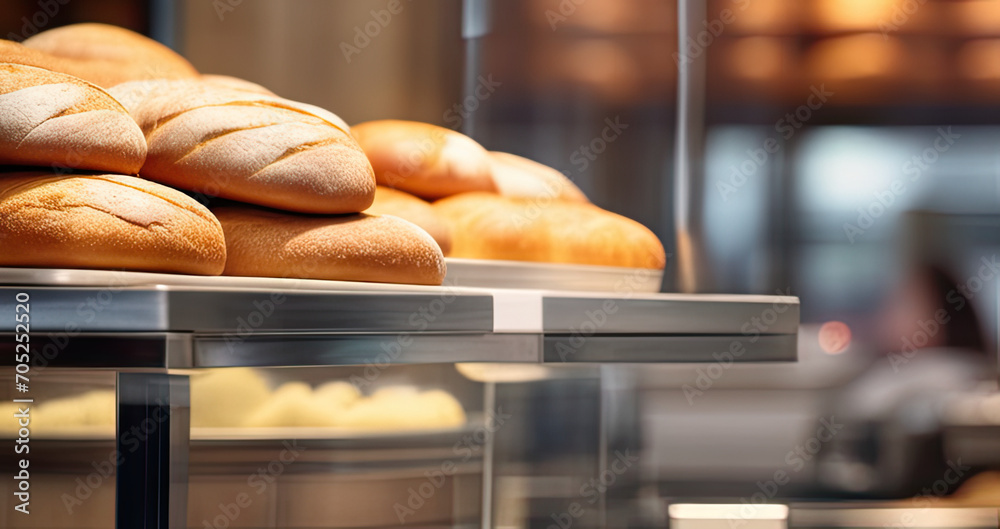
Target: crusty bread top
x: 107, y: 222
x: 154, y: 102
x: 349, y: 247
x: 235, y: 83
x: 104, y: 42
x: 14, y: 77
x: 54, y: 119
x: 105, y: 64
x: 16, y: 183
x: 519, y: 177
x: 489, y: 226
x: 249, y: 147
x: 428, y: 161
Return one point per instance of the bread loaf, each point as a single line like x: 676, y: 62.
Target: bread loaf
x: 425, y: 160
x: 56, y: 120
x: 348, y: 248
x: 235, y: 83
x: 249, y: 147
x: 518, y: 177
x: 389, y: 201
x: 105, y: 222
x: 487, y: 226
x: 110, y: 54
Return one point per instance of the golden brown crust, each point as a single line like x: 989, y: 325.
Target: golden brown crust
x: 54, y: 119
x: 105, y: 222
x: 519, y: 177
x: 425, y: 160
x: 249, y: 147
x: 114, y: 55
x: 358, y: 247
x: 486, y: 226
x: 389, y: 201
x: 235, y: 83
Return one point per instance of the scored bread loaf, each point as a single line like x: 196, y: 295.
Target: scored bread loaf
x: 106, y: 222
x: 53, y: 119
x: 389, y: 201
x: 487, y: 226
x: 519, y: 177
x: 360, y: 247
x: 107, y: 55
x: 249, y: 147
x: 425, y: 160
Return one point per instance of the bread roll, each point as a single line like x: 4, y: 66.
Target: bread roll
x: 226, y: 397
x: 111, y: 54
x: 425, y: 160
x: 347, y: 248
x: 518, y: 177
x: 389, y: 201
x: 53, y: 119
x: 235, y: 83
x: 291, y: 406
x: 249, y: 147
x: 107, y: 222
x: 486, y: 226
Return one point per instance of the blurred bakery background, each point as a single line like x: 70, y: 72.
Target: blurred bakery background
x: 843, y: 151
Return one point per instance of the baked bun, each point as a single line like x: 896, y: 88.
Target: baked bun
x: 235, y: 83
x: 347, y: 248
x: 519, y: 177
x: 425, y: 160
x: 53, y: 119
x: 487, y: 226
x: 105, y: 222
x: 249, y: 147
x: 111, y: 54
x: 389, y: 201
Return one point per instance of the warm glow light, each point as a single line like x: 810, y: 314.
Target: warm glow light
x: 980, y: 59
x: 981, y: 16
x: 854, y: 14
x: 763, y: 16
x: 856, y: 57
x: 758, y: 58
x: 834, y: 337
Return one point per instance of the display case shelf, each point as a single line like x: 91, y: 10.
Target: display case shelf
x: 318, y: 323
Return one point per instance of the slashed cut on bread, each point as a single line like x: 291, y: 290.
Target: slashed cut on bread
x: 105, y: 222
x: 389, y: 201
x: 53, y: 119
x: 249, y: 147
x: 487, y: 226
x: 360, y: 247
x: 425, y: 160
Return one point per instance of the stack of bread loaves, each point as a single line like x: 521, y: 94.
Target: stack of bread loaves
x: 91, y: 106
x: 492, y: 205
x: 110, y: 143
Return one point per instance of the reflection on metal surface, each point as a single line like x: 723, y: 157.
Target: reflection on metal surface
x: 724, y: 516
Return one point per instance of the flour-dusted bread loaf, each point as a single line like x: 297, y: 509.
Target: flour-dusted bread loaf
x: 488, y: 226
x: 359, y: 247
x: 519, y: 177
x: 424, y: 160
x: 109, y: 55
x: 389, y: 201
x: 249, y: 147
x: 105, y: 222
x: 53, y: 119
